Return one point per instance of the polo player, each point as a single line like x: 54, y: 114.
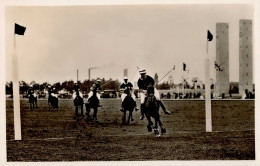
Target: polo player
x: 124, y: 87
x: 143, y: 82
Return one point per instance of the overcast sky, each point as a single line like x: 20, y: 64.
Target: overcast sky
x: 60, y: 40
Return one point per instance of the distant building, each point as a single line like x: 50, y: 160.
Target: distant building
x: 156, y: 79
x: 222, y: 58
x: 245, y: 56
x: 125, y: 72
x: 170, y: 79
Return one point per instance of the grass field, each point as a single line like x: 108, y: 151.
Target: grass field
x: 55, y: 136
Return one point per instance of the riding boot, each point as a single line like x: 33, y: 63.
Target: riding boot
x: 142, y: 112
x: 163, y: 107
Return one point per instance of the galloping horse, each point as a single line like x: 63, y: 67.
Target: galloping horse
x: 53, y: 101
x: 128, y: 105
x: 151, y: 109
x: 32, y: 101
x: 93, y: 103
x: 78, y: 102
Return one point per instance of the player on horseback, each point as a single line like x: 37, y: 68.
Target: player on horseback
x: 128, y: 100
x: 53, y: 98
x: 33, y: 100
x: 95, y: 88
x: 78, y: 99
x: 93, y: 100
x: 125, y: 87
x: 143, y: 82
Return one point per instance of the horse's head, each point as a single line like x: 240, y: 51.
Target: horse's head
x: 127, y: 91
x: 150, y: 91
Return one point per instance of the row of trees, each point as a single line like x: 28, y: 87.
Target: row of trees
x: 86, y: 85
x: 67, y: 85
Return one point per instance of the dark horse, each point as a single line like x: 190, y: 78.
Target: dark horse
x: 151, y: 109
x: 32, y: 101
x: 128, y: 105
x: 93, y: 103
x: 78, y: 102
x: 53, y: 102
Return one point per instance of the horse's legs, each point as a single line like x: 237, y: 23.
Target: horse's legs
x: 95, y: 113
x: 149, y: 126
x: 163, y: 130
x: 156, y: 131
x: 36, y: 103
x: 81, y: 109
x: 87, y: 111
x: 129, y: 116
x: 124, y: 116
x: 76, y: 110
x: 31, y: 106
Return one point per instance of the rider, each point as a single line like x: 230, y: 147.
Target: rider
x: 124, y: 86
x: 77, y: 92
x: 95, y: 87
x: 143, y: 82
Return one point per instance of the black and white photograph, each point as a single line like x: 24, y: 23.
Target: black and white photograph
x: 143, y: 82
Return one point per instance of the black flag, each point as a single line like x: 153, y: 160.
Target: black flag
x: 218, y: 67
x: 18, y: 29
x: 184, y: 67
x: 210, y: 36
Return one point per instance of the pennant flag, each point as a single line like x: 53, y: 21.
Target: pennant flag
x: 218, y: 67
x: 184, y: 67
x: 18, y: 29
x: 210, y: 36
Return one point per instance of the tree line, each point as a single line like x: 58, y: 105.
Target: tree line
x: 66, y: 85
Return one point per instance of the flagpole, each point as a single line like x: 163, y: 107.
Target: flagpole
x: 16, y: 96
x: 207, y: 93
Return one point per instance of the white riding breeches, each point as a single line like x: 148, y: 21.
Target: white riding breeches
x: 124, y: 95
x: 156, y: 95
x: 91, y: 94
x: 54, y: 95
x: 75, y: 95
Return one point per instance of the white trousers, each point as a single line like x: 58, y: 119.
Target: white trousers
x: 91, y: 94
x: 75, y: 95
x: 124, y: 95
x: 156, y: 94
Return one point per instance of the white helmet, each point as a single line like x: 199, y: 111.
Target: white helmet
x: 142, y: 71
x: 125, y: 78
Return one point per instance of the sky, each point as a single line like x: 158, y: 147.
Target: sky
x: 61, y: 39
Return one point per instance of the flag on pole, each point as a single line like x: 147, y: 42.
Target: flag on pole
x: 18, y: 29
x: 218, y: 67
x: 210, y: 36
x: 184, y: 67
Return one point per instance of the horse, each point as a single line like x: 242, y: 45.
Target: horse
x: 151, y: 109
x: 32, y: 101
x: 92, y: 103
x: 53, y: 101
x: 78, y: 102
x: 128, y: 105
